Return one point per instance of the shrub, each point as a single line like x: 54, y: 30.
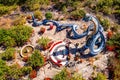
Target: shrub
x: 21, y: 34
x: 19, y: 21
x: 36, y: 4
x: 8, y: 54
x: 3, y: 69
x: 26, y: 70
x: 105, y: 23
x: 3, y: 10
x: 76, y: 76
x: 17, y: 35
x: 77, y: 14
x: 38, y: 15
x: 48, y: 15
x: 14, y: 72
x: 106, y: 10
x: 104, y: 6
x: 63, y: 75
x: 114, y: 68
x: 100, y: 76
x: 9, y: 2
x: 114, y: 40
x: 115, y: 27
x: 36, y: 59
x: 32, y: 4
x: 9, y: 42
x: 42, y: 2
x: 33, y: 7
x: 64, y: 9
x: 6, y: 9
x: 43, y: 42
x: 102, y: 3
x: 88, y: 3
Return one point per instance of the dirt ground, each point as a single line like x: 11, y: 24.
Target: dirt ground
x: 87, y: 68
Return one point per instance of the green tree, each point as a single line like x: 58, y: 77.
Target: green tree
x: 21, y: 34
x: 43, y: 42
x: 100, y: 76
x: 63, y: 75
x: 19, y: 21
x: 76, y: 76
x: 9, y: 42
x: 36, y: 60
x: 14, y: 72
x: 3, y: 33
x: 36, y: 4
x: 6, y: 39
x: 104, y: 6
x: 17, y: 35
x: 9, y: 2
x: 77, y: 14
x: 38, y: 14
x: 26, y: 70
x: 48, y: 15
x: 6, y: 9
x: 8, y: 54
x: 3, y: 69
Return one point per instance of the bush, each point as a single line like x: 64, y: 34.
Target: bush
x: 48, y: 15
x: 21, y: 34
x: 36, y: 4
x: 3, y: 69
x: 38, y: 15
x: 102, y: 3
x: 17, y: 35
x: 42, y: 2
x: 77, y: 14
x: 63, y: 75
x: 105, y: 23
x: 104, y: 6
x: 33, y: 4
x: 9, y: 2
x: 33, y: 7
x: 88, y: 3
x: 6, y: 9
x: 19, y: 21
x: 14, y: 73
x: 100, y: 76
x: 106, y: 10
x: 114, y: 40
x: 9, y: 42
x: 43, y: 42
x: 36, y: 60
x: 114, y: 68
x: 26, y: 70
x: 115, y: 27
x: 76, y: 76
x: 64, y: 9
x: 8, y: 54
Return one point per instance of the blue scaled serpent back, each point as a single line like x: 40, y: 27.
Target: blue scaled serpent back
x: 95, y: 41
